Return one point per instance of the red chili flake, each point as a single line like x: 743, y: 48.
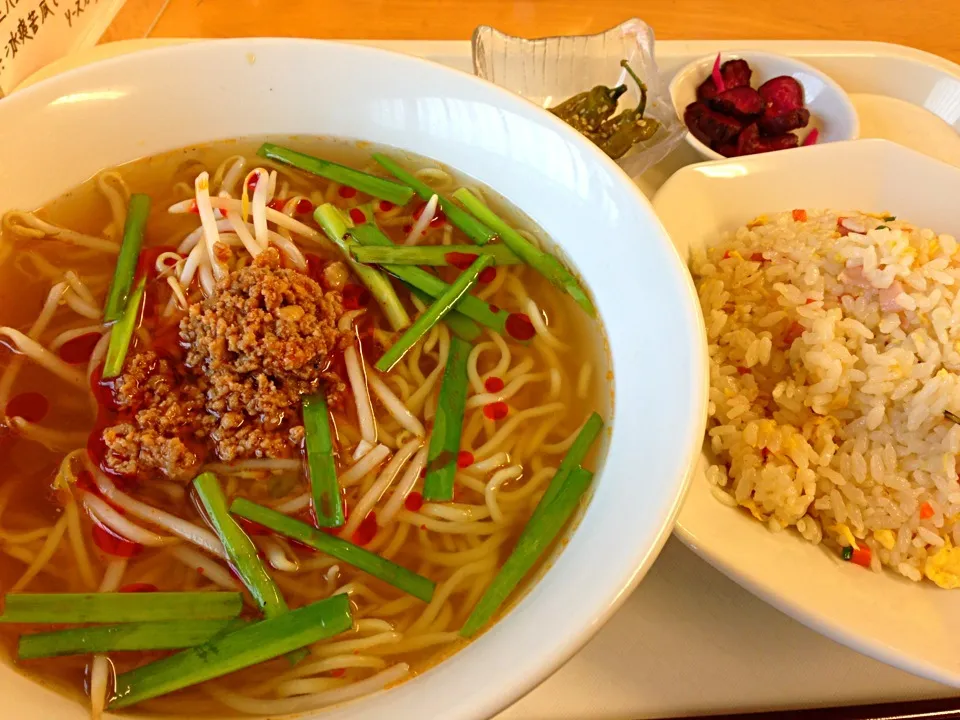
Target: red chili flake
x: 113, y: 544
x: 496, y: 410
x: 277, y: 204
x: 337, y: 672
x: 407, y: 229
x: 793, y: 332
x: 743, y: 370
x: 726, y: 255
x: 493, y: 384
x: 926, y: 511
x: 460, y: 260
x: 79, y: 349
x: 200, y: 571
x: 757, y: 257
x: 347, y: 192
x: 304, y: 206
x: 464, y: 459
x: 252, y: 182
x: 357, y: 216
x: 494, y: 308
x: 519, y: 326
x: 367, y: 530
x: 764, y: 453
x: 386, y: 206
x: 138, y: 588
x: 809, y: 301
x: 423, y: 472
x: 800, y: 215
x: 487, y: 275
x: 31, y: 406
x: 252, y: 528
x: 413, y: 501
x: 355, y: 296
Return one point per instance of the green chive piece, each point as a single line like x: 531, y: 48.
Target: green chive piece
x: 371, y: 563
x: 240, y: 549
x: 251, y: 644
x: 460, y: 325
x: 122, y: 333
x: 327, y: 501
x: 447, y: 425
x: 170, y: 635
x: 333, y: 224
x: 540, y: 532
x: 889, y: 218
x: 435, y: 255
x: 434, y: 313
x: 473, y: 228
x: 543, y: 262
x: 953, y: 417
x: 473, y: 307
x: 847, y: 552
x: 382, y: 188
x: 574, y: 457
x: 69, y: 608
x: 137, y: 211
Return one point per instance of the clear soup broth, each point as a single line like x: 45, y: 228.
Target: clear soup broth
x: 97, y: 495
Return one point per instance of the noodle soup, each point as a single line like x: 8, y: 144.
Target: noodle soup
x: 262, y: 399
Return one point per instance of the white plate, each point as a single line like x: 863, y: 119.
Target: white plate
x: 60, y: 131
x: 914, y: 626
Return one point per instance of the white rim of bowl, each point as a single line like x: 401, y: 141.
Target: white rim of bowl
x: 593, y: 606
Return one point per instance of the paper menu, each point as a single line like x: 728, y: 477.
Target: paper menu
x: 36, y: 32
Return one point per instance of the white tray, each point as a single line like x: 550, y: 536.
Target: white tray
x: 690, y: 641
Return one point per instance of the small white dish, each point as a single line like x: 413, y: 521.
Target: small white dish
x: 60, y: 131
x: 831, y: 110
x: 911, y: 625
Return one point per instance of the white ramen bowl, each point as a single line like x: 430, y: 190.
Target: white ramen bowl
x: 61, y: 131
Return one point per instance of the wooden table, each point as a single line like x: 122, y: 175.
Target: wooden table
x: 932, y: 25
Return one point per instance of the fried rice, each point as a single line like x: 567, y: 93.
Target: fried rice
x: 834, y: 368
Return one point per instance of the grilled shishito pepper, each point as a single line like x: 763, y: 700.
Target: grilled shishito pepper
x: 618, y: 134
x: 585, y: 112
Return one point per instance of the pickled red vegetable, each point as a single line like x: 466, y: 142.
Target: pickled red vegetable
x: 773, y: 125
x: 733, y: 118
x: 741, y: 102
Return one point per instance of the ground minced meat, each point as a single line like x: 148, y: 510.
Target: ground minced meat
x: 167, y: 421
x: 265, y: 338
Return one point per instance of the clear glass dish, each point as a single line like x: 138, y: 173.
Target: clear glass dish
x: 547, y: 71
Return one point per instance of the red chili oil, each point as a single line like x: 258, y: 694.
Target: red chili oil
x: 112, y: 544
x: 31, y: 406
x: 496, y: 410
x: 519, y: 326
x: 413, y: 502
x: 493, y: 384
